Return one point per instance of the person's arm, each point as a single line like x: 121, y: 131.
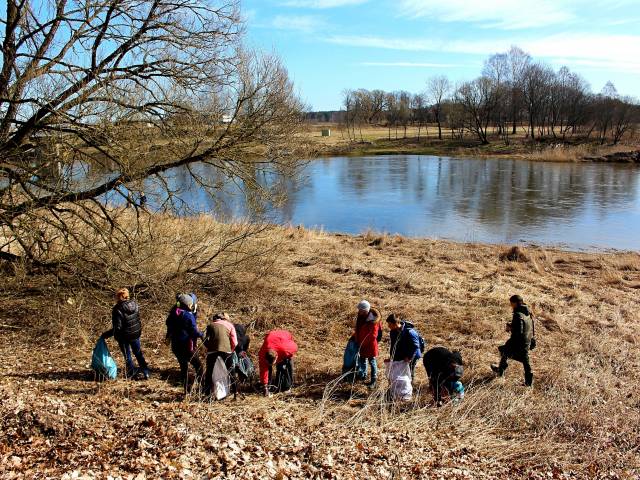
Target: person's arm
x: 264, y: 370
x: 517, y: 327
x: 413, y: 345
x: 108, y: 334
x: 233, y: 338
x: 379, y: 336
x: 116, y: 321
x: 193, y: 328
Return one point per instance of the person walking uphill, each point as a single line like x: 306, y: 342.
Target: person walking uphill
x: 221, y: 341
x: 277, y: 350
x: 521, y: 341
x: 126, y: 329
x: 368, y: 334
x: 183, y: 333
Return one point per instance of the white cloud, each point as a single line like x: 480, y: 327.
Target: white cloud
x: 409, y: 64
x: 507, y: 14
x: 321, y: 3
x: 584, y: 49
x: 299, y: 23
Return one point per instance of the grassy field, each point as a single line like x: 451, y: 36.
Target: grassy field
x: 579, y: 421
x: 374, y: 140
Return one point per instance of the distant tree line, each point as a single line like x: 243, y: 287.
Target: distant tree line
x: 513, y: 94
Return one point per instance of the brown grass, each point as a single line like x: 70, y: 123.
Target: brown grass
x: 581, y: 416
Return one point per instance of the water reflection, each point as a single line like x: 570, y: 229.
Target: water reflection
x: 475, y: 200
x: 498, y: 201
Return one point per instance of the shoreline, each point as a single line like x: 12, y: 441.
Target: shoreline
x: 519, y: 148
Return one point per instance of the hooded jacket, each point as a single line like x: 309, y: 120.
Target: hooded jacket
x: 125, y: 318
x: 243, y: 338
x: 182, y: 329
x: 521, y: 329
x: 281, y: 341
x: 368, y: 333
x: 440, y: 362
x: 405, y: 343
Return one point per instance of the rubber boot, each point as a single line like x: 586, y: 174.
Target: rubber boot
x: 528, y: 379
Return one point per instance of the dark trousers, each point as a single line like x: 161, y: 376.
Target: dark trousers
x: 185, y: 356
x: 212, y: 357
x: 519, y: 355
x: 133, y: 346
x: 283, y: 379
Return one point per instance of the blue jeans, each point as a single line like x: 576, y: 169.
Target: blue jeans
x: 126, y: 348
x: 362, y: 368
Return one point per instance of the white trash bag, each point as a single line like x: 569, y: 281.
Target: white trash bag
x: 220, y: 379
x: 399, y: 374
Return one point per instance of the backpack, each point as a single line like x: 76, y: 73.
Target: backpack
x: 102, y: 362
x: 423, y: 343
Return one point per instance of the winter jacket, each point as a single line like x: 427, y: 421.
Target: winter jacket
x: 182, y: 328
x: 243, y: 338
x: 221, y: 337
x: 405, y: 343
x: 440, y: 363
x: 521, y: 330
x: 282, y: 343
x: 125, y: 319
x: 368, y: 333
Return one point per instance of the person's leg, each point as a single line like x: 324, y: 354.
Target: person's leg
x: 413, y: 369
x: 231, y: 368
x: 208, y: 375
x: 125, y: 348
x: 362, y: 368
x: 374, y: 371
x: 142, y: 363
x: 502, y: 366
x: 528, y: 373
x: 194, y: 359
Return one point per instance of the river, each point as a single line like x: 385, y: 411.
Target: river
x: 576, y: 206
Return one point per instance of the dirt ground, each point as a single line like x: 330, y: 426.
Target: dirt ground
x: 581, y: 419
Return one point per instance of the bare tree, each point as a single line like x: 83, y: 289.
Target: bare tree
x: 438, y: 89
x: 123, y: 91
x: 479, y: 100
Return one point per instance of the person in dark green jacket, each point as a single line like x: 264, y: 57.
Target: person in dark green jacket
x: 519, y: 344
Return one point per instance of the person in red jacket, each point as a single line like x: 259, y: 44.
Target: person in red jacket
x: 367, y: 335
x: 277, y: 350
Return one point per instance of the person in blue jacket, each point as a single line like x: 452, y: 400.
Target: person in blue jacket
x: 405, y: 340
x: 183, y: 334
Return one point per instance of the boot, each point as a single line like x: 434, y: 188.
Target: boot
x: 528, y: 380
x: 497, y: 370
x: 371, y: 383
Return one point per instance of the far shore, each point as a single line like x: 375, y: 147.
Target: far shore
x: 375, y: 141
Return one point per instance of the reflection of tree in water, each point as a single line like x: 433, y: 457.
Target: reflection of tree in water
x: 527, y: 193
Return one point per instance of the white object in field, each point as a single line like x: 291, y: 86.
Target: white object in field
x: 220, y: 379
x: 399, y: 373
x: 326, y: 132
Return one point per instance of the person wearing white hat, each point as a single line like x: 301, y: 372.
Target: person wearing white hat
x: 368, y: 333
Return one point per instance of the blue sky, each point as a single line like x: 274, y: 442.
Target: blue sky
x: 330, y: 45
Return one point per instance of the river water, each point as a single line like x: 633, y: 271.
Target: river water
x: 578, y: 206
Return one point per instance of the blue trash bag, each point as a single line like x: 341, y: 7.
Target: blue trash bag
x: 102, y: 362
x: 350, y: 358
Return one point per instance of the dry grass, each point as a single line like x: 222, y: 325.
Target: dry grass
x: 581, y: 416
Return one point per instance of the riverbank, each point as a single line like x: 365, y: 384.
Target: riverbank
x: 579, y: 421
x: 377, y: 141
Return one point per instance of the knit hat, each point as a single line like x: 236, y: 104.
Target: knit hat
x: 364, y: 305
x: 185, y: 300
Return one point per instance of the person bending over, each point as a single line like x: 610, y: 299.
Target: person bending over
x: 277, y: 351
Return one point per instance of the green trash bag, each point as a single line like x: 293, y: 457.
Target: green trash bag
x: 102, y: 362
